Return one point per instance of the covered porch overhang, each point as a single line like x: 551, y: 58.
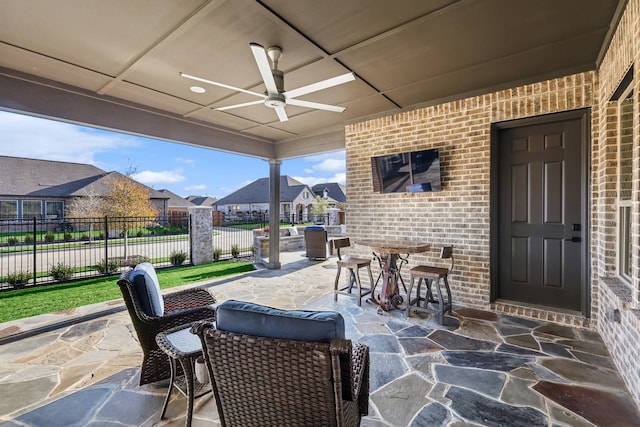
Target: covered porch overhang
x: 116, y: 65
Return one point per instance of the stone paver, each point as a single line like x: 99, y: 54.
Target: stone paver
x: 480, y: 368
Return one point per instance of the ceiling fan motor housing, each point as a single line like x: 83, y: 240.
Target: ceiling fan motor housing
x: 275, y: 100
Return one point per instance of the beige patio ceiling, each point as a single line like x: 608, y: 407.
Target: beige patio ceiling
x: 116, y: 63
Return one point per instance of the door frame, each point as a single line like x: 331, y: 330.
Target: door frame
x: 585, y: 116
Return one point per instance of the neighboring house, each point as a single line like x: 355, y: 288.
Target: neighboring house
x: 177, y: 207
x: 45, y: 188
x: 202, y: 200
x: 334, y: 193
x: 296, y: 200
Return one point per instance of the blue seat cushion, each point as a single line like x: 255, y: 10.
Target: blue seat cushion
x: 145, y: 282
x: 258, y: 320
x: 315, y: 228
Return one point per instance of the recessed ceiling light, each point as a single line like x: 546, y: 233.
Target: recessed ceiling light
x: 197, y: 89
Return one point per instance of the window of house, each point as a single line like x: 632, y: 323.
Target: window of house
x: 8, y: 209
x: 625, y: 181
x: 54, y: 210
x: 31, y: 208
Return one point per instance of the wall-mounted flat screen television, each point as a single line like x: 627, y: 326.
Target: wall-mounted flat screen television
x: 414, y: 172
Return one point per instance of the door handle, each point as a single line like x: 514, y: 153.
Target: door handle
x: 574, y: 239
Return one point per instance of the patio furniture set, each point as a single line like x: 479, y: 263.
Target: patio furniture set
x: 266, y: 366
x: 389, y: 255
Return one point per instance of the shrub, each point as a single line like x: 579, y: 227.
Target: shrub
x: 177, y: 257
x: 19, y: 278
x: 106, y: 267
x: 216, y: 254
x: 28, y: 238
x: 49, y: 237
x: 139, y: 259
x: 235, y: 251
x: 84, y: 237
x: 139, y: 233
x: 61, y: 272
x: 12, y: 241
x: 68, y: 237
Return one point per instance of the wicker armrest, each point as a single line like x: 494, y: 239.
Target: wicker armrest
x: 198, y: 328
x: 188, y: 298
x: 360, y: 378
x: 354, y: 368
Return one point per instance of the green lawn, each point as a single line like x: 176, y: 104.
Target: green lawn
x: 18, y: 304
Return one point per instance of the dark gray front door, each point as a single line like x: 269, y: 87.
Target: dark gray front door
x: 540, y: 214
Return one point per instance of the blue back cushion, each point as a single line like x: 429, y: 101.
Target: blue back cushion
x: 145, y: 282
x: 258, y: 320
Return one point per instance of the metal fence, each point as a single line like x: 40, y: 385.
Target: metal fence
x: 42, y: 251
x: 39, y: 251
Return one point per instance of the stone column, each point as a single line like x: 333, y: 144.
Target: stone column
x: 201, y: 234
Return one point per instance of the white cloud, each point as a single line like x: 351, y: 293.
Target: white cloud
x: 329, y: 167
x: 196, y: 188
x: 36, y: 138
x: 339, y: 177
x: 186, y: 161
x: 331, y: 162
x: 152, y: 178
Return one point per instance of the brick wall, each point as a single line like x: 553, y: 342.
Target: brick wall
x: 460, y: 213
x: 621, y: 332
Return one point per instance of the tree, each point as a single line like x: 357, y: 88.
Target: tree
x: 319, y: 208
x: 89, y: 207
x: 125, y: 200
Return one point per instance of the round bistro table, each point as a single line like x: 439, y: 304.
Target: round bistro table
x: 389, y: 250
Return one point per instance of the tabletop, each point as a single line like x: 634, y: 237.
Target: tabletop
x: 394, y: 246
x: 181, y: 343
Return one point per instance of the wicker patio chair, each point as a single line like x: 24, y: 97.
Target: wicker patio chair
x: 264, y: 382
x: 180, y: 308
x: 315, y: 241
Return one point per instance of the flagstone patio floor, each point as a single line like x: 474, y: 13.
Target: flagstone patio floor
x: 81, y: 368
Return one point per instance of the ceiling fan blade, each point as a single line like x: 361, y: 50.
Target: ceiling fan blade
x: 324, y: 84
x: 265, y: 68
x: 211, y: 82
x: 317, y: 105
x: 282, y: 115
x: 244, y: 104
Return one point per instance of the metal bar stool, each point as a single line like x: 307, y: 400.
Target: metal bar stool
x: 431, y: 276
x: 353, y: 265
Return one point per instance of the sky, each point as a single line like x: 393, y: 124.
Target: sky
x: 182, y: 169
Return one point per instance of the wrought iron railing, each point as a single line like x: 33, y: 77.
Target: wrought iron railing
x: 39, y: 251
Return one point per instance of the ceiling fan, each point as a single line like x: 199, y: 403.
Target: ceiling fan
x: 276, y: 97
